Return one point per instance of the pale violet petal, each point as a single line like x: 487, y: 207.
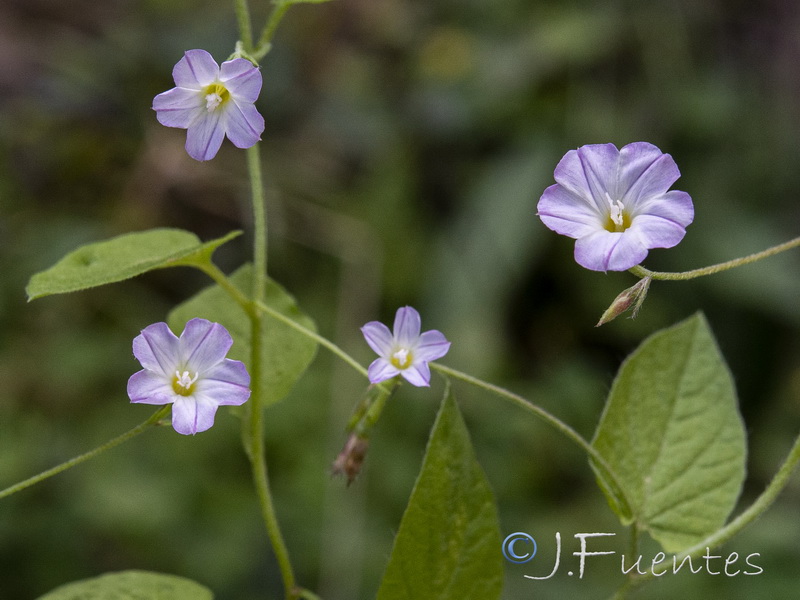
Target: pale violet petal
x: 178, y: 107
x: 378, y: 337
x: 567, y: 214
x: 674, y: 205
x: 606, y: 251
x: 589, y: 172
x: 244, y: 125
x: 644, y: 172
x: 195, y: 70
x: 381, y: 370
x: 203, y: 345
x: 657, y: 232
x: 157, y: 349
x: 227, y: 383
x: 406, y: 326
x: 205, y: 135
x: 241, y: 79
x: 432, y: 345
x: 193, y: 414
x: 418, y: 374
x: 147, y: 387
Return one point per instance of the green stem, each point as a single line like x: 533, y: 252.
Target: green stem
x: 222, y: 281
x: 640, y: 271
x: 254, y: 425
x: 599, y: 462
x: 312, y: 335
x: 259, y: 223
x: 279, y: 9
x: 719, y: 537
x: 245, y: 26
x: 154, y: 419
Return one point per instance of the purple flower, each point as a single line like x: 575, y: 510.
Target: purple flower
x: 190, y: 372
x: 405, y: 352
x: 212, y: 101
x: 616, y: 204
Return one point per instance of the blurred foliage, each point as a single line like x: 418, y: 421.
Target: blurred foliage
x: 407, y: 143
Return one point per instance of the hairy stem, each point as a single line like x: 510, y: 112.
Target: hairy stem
x: 599, y: 462
x: 153, y: 420
x: 640, y: 271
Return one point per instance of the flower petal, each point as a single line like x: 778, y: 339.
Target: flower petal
x: 241, y: 79
x: 204, y: 344
x: 205, y: 135
x: 644, y: 172
x: 178, y: 107
x: 378, y: 337
x: 244, y: 125
x: 568, y: 214
x: 193, y: 414
x: 227, y: 383
x: 406, y: 327
x: 589, y: 172
x: 418, y: 374
x: 607, y: 251
x: 674, y: 205
x: 195, y: 70
x: 147, y: 387
x: 657, y: 232
x: 157, y: 349
x: 432, y: 345
x: 380, y: 370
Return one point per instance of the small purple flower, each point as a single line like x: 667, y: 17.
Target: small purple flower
x: 190, y: 372
x: 616, y: 204
x: 405, y: 352
x: 212, y: 101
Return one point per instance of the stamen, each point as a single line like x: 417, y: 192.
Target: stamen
x: 184, y: 380
x: 215, y: 95
x: 213, y: 101
x: 616, y: 213
x: 402, y: 358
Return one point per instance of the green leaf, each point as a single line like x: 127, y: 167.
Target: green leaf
x: 131, y: 585
x: 672, y: 433
x: 121, y: 258
x: 290, y: 2
x: 448, y: 545
x: 287, y: 352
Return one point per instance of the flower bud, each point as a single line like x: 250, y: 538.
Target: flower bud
x: 632, y: 297
x: 350, y: 459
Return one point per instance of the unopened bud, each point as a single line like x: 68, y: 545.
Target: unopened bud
x: 632, y: 297
x: 350, y: 459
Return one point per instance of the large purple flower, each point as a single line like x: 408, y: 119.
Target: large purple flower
x: 616, y: 204
x: 405, y: 352
x: 212, y: 101
x: 190, y: 372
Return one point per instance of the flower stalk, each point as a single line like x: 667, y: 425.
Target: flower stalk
x: 154, y: 419
x: 640, y: 271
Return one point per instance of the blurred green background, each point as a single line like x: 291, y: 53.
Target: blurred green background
x: 406, y: 146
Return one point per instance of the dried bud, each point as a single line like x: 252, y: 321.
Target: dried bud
x: 351, y: 457
x: 632, y: 297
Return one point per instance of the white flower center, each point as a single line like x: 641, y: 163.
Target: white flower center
x: 183, y: 383
x: 215, y: 95
x: 402, y: 358
x: 619, y: 220
x: 213, y: 101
